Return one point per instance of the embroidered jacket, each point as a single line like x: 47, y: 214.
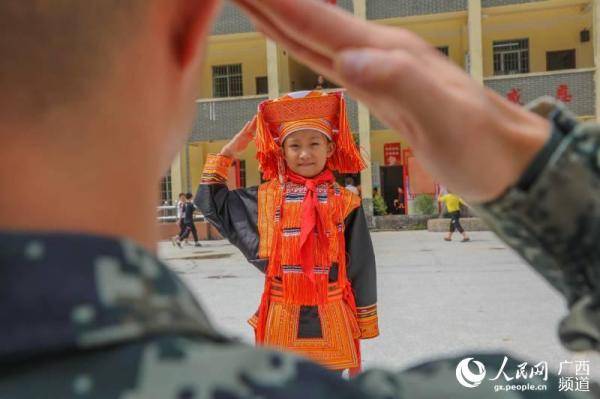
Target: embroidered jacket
x: 327, y: 326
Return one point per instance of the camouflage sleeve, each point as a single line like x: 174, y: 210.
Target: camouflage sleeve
x: 552, y: 219
x: 172, y: 367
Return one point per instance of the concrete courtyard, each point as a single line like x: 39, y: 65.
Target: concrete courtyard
x: 435, y: 298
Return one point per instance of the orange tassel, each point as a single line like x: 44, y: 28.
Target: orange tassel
x: 273, y: 270
x: 346, y: 158
x: 268, y: 152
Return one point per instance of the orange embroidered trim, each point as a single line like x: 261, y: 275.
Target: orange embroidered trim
x: 286, y: 286
x: 320, y: 125
x: 351, y: 200
x: 335, y: 350
x: 279, y: 221
x: 293, y: 109
x: 253, y: 321
x: 215, y: 169
x: 269, y: 198
x: 334, y: 292
x: 368, y: 321
x: 269, y: 212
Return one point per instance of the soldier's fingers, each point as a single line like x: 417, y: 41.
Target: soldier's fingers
x: 396, y: 78
x: 315, y: 60
x: 333, y: 30
x: 290, y: 18
x: 320, y: 58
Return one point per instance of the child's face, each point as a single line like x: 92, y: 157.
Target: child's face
x: 306, y: 152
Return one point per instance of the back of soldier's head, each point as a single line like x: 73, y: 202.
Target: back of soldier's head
x: 56, y: 52
x: 97, y: 97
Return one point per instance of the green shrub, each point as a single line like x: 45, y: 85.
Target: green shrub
x: 379, y: 206
x: 425, y: 205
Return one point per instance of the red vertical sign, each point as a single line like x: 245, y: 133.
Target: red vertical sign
x: 392, y: 154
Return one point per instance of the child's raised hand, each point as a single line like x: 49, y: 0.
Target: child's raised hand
x: 240, y: 141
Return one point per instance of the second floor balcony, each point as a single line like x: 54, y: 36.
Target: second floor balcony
x: 222, y: 118
x: 383, y: 9
x: 233, y: 20
x: 574, y: 87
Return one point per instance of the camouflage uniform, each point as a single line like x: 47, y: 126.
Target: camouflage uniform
x: 551, y: 217
x: 92, y: 317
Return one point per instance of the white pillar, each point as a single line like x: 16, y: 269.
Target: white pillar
x: 180, y: 173
x: 272, y: 69
x: 364, y: 133
x: 475, y: 41
x: 360, y: 8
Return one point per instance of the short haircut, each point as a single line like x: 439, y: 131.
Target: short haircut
x: 188, y: 196
x: 54, y: 52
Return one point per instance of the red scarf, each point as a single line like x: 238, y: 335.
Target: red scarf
x: 311, y: 219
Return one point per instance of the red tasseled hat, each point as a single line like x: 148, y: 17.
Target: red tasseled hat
x: 315, y: 110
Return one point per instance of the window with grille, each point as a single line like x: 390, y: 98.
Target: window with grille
x: 166, y: 190
x: 227, y: 80
x: 444, y: 50
x: 557, y: 60
x: 262, y: 85
x: 511, y: 56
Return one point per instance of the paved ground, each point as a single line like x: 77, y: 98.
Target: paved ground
x: 435, y: 298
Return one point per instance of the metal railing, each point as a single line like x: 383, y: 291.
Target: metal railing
x: 383, y: 9
x: 499, y: 3
x: 222, y: 118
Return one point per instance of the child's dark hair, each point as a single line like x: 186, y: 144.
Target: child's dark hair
x: 188, y: 196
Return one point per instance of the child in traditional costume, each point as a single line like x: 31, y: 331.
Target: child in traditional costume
x: 304, y: 231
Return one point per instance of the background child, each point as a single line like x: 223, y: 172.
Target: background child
x: 452, y: 203
x: 188, y: 222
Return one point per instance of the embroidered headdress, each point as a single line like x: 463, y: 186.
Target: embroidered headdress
x: 315, y: 110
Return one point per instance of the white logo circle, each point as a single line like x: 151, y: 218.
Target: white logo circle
x: 465, y: 377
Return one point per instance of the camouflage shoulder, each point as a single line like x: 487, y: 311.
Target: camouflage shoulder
x: 184, y: 368
x: 554, y: 223
x: 175, y: 367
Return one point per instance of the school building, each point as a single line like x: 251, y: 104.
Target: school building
x: 523, y: 49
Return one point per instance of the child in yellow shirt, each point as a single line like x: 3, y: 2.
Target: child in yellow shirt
x: 452, y: 203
